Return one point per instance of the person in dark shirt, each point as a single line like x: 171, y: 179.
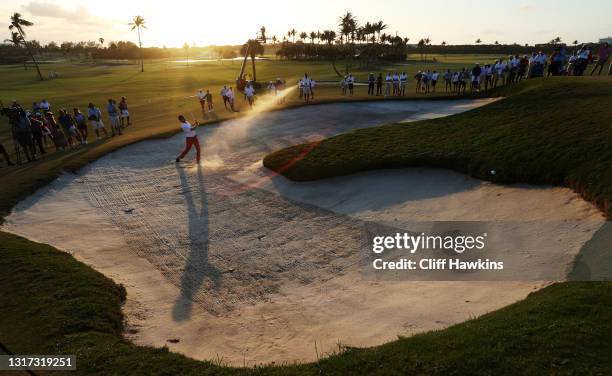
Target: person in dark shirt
x: 379, y: 82
x: 36, y: 126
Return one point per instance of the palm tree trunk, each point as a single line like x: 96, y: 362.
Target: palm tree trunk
x: 140, y: 48
x: 31, y: 56
x: 253, y: 64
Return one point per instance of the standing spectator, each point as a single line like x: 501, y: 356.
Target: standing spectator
x: 306, y: 87
x: 249, y: 92
x: 95, y: 120
x: 125, y: 114
x: 209, y: 100
x: 202, y: 99
x: 113, y: 115
x: 37, y: 132
x: 371, y: 83
x: 603, y: 54
x: 231, y: 98
x: 23, y: 132
x: 81, y: 124
x: 388, y: 83
x: 225, y: 96
x: 59, y: 138
x: 395, y: 79
x: 350, y: 81
x: 418, y: 77
x: 44, y: 106
x: 448, y: 76
x: 343, y: 85
x: 434, y: 80
x: 403, y: 82
x: 67, y: 122
x: 476, y: 77
x: 379, y: 82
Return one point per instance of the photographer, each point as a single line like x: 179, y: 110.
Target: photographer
x: 21, y: 129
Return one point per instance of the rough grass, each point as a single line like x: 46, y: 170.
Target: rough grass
x: 554, y: 131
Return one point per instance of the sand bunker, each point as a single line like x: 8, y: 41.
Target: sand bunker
x: 245, y: 267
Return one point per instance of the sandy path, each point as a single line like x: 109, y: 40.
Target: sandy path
x: 210, y: 257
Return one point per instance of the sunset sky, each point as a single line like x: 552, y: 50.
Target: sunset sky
x: 232, y: 22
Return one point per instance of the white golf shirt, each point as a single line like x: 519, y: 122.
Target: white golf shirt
x: 187, y: 129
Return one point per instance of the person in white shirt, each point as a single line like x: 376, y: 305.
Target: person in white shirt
x: 434, y: 80
x: 395, y: 79
x: 350, y: 81
x: 225, y: 97
x: 388, y: 83
x: 403, y: 81
x: 44, y: 105
x: 230, y: 98
x: 307, y: 86
x: 202, y: 99
x: 249, y: 92
x: 343, y: 85
x: 191, y: 139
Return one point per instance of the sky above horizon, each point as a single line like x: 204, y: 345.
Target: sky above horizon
x: 233, y: 22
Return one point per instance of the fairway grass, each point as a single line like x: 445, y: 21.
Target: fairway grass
x: 55, y: 304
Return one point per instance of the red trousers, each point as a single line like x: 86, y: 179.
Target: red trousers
x: 189, y: 142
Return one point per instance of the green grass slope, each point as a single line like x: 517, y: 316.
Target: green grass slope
x: 546, y: 131
x: 53, y: 304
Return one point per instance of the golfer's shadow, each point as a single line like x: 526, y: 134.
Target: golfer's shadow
x: 197, y: 268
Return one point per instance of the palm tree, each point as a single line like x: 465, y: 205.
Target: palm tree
x: 575, y: 42
x: 421, y: 46
x: 262, y: 34
x: 478, y: 41
x: 274, y: 39
x: 443, y: 44
x: 303, y: 36
x: 101, y: 40
x: 17, y: 41
x: 380, y: 26
x: 139, y: 23
x: 291, y: 33
x: 313, y: 36
x: 18, y: 23
x: 254, y: 48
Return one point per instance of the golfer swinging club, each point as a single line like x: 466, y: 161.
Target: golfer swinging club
x: 191, y: 138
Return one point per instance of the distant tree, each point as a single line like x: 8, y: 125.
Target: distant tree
x: 262, y: 34
x: 496, y: 43
x: 478, y: 41
x: 291, y: 34
x: 139, y: 23
x: 421, y: 46
x: 575, y: 42
x: 443, y: 44
x: 254, y: 48
x: 312, y: 36
x: 101, y: 40
x: 274, y: 40
x: 16, y: 41
x: 18, y: 23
